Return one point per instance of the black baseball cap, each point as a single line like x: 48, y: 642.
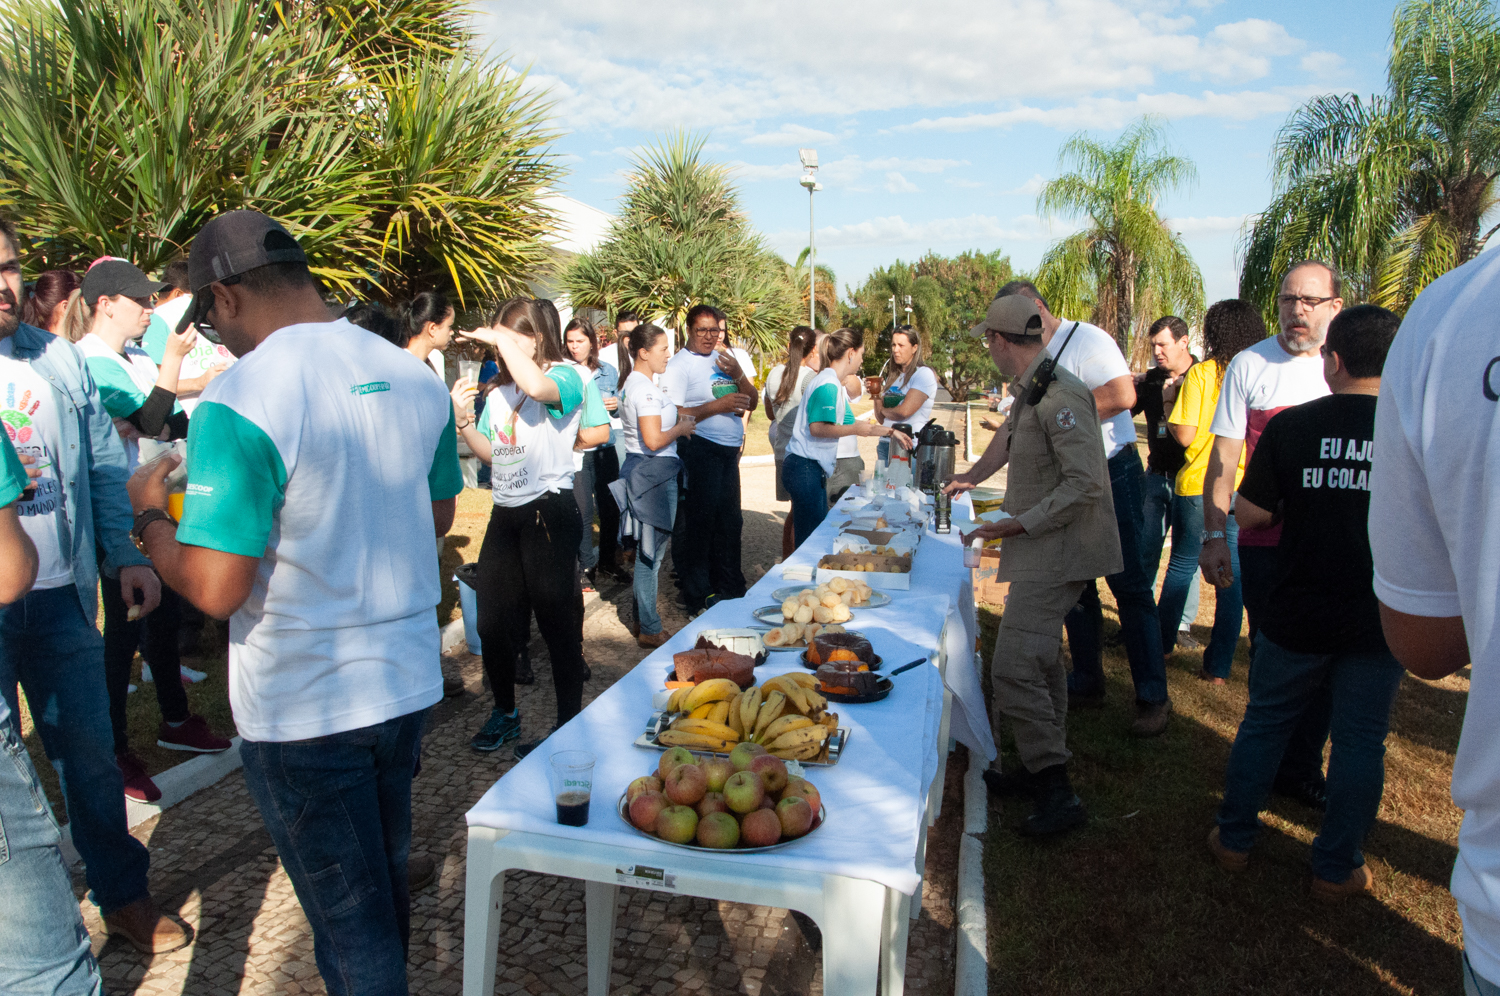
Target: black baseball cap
x: 111, y: 275
x: 236, y: 242
x: 1016, y: 314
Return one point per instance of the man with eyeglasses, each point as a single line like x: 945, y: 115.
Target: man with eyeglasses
x: 1259, y: 383
x: 705, y: 381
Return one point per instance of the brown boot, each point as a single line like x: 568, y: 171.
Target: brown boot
x: 1359, y: 883
x: 1230, y: 861
x: 652, y: 640
x: 147, y: 929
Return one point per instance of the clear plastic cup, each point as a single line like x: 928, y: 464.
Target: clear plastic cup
x: 572, y: 774
x: 971, y: 552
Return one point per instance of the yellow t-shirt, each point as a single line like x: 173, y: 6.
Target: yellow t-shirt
x: 1195, y: 406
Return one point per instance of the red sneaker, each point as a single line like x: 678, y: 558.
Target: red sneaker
x: 193, y: 735
x: 138, y: 784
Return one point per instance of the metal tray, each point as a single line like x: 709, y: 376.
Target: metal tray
x: 771, y: 616
x: 659, y: 721
x: 821, y: 819
x: 874, y: 665
x: 876, y: 600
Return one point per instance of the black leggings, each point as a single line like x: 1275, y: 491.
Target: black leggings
x: 606, y: 472
x: 529, y: 563
x: 122, y: 636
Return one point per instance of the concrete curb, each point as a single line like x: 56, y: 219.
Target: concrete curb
x: 971, y: 968
x: 757, y: 461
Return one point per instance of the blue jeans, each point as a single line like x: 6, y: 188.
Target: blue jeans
x: 643, y: 583
x: 1134, y: 595
x: 339, y: 811
x: 1282, y: 684
x: 58, y: 657
x: 1157, y: 500
x: 807, y: 482
x: 1182, y: 578
x: 44, y: 946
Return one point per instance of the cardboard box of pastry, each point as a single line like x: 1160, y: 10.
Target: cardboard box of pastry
x: 875, y: 570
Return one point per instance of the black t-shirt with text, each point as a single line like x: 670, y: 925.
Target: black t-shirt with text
x: 1313, y: 461
x: 1164, y: 455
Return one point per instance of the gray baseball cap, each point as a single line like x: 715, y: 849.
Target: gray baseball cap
x: 238, y: 241
x: 1016, y: 314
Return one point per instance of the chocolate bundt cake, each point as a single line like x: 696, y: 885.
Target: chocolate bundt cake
x: 824, y: 644
x: 845, y: 678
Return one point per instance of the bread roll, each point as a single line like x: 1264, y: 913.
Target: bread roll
x: 822, y: 614
x: 811, y: 630
x: 841, y: 613
x: 848, y: 596
x: 791, y: 634
x: 839, y: 585
x: 804, y: 614
x: 789, y: 607
x: 830, y: 599
x: 776, y: 638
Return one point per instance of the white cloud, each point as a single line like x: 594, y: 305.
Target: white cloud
x: 658, y: 64
x: 1209, y: 225
x: 792, y: 134
x: 1112, y: 112
x: 895, y: 183
x: 1030, y: 188
x: 847, y: 170
x: 970, y: 231
x: 1322, y: 63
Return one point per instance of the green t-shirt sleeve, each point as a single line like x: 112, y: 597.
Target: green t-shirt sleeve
x: 593, y: 407
x: 569, y: 389
x: 236, y: 484
x: 445, y: 479
x: 823, y: 403
x: 13, y: 477
x: 483, y: 425
x: 118, y: 392
x: 155, y: 340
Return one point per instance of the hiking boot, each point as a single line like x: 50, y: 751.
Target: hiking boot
x: 192, y: 735
x: 1007, y: 784
x: 1359, y: 883
x: 524, y: 674
x: 421, y: 869
x: 499, y: 730
x: 1311, y: 792
x: 138, y: 784
x: 1151, y: 718
x: 1230, y: 861
x: 521, y: 750
x: 651, y: 641
x: 146, y: 928
x: 1058, y: 809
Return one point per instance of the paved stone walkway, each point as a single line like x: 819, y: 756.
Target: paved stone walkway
x: 213, y: 861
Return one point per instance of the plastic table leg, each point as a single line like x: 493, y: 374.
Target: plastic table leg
x: 852, y: 921
x: 483, y: 889
x: 600, y: 902
x: 895, y: 928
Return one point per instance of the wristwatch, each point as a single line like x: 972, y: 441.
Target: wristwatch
x: 1212, y: 534
x: 143, y: 519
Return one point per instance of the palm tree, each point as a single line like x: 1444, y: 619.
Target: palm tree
x: 1391, y: 189
x: 826, y: 288
x: 872, y: 309
x: 1127, y: 266
x: 681, y: 239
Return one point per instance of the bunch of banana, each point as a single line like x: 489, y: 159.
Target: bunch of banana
x: 801, y: 743
x: 689, y: 699
x: 696, y: 741
x: 800, y: 688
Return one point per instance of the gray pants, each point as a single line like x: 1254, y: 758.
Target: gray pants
x: 1029, y: 678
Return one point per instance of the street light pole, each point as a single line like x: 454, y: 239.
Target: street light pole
x: 893, y: 314
x: 809, y: 159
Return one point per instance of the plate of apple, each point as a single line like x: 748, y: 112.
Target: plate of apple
x: 745, y: 802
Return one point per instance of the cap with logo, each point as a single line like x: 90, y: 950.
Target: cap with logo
x: 1015, y: 314
x: 111, y: 275
x: 238, y: 241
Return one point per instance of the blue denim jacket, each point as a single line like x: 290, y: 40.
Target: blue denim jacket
x: 90, y: 462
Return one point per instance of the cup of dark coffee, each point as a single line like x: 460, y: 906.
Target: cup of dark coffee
x: 572, y: 774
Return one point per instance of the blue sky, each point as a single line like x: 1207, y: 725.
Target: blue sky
x: 936, y: 122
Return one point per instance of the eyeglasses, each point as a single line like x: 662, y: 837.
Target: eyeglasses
x: 1292, y: 300
x: 709, y: 330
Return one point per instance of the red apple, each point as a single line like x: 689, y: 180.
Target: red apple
x: 760, y: 828
x: 671, y: 758
x: 772, y: 771
x: 645, y: 783
x: 744, y: 791
x: 768, y: 801
x: 718, y: 830
x: 743, y: 754
x: 712, y: 802
x: 796, y: 817
x: 718, y: 770
x: 678, y: 824
x: 802, y: 788
x: 686, y: 784
x: 646, y: 808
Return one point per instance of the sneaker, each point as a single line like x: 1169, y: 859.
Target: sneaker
x: 587, y: 581
x: 497, y: 731
x: 524, y: 674
x: 1311, y: 792
x: 193, y: 735
x: 1151, y: 718
x: 186, y: 674
x: 1230, y: 861
x: 521, y: 750
x: 138, y: 784
x: 191, y: 675
x: 1359, y: 883
x: 1187, y: 641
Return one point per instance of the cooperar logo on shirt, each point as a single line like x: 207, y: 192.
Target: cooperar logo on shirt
x: 373, y: 387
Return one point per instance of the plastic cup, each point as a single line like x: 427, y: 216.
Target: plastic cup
x: 971, y: 553
x: 174, y: 505
x: 572, y: 774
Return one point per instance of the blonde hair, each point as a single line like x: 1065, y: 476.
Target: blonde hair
x: 907, y: 372
x: 835, y: 344
x: 78, y: 320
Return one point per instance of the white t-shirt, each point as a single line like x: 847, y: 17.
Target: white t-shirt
x: 1260, y: 382
x: 1435, y: 537
x: 199, y: 359
x: 825, y: 401
x: 690, y: 381
x: 922, y: 379
x: 320, y: 453
x: 125, y: 381
x: 1094, y: 357
x: 640, y: 396
x: 531, y: 442
x: 794, y: 397
x: 848, y: 445
x: 28, y: 407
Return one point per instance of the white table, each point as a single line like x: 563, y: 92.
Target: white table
x: 889, y: 780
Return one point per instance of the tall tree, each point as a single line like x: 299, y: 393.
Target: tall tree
x: 968, y: 283
x: 871, y: 311
x: 1127, y: 267
x: 681, y: 239
x: 826, y: 288
x: 373, y: 132
x: 1392, y: 188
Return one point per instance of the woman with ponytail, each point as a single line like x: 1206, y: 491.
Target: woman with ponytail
x: 824, y: 417
x: 652, y: 427
x: 425, y: 325
x: 784, y: 389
